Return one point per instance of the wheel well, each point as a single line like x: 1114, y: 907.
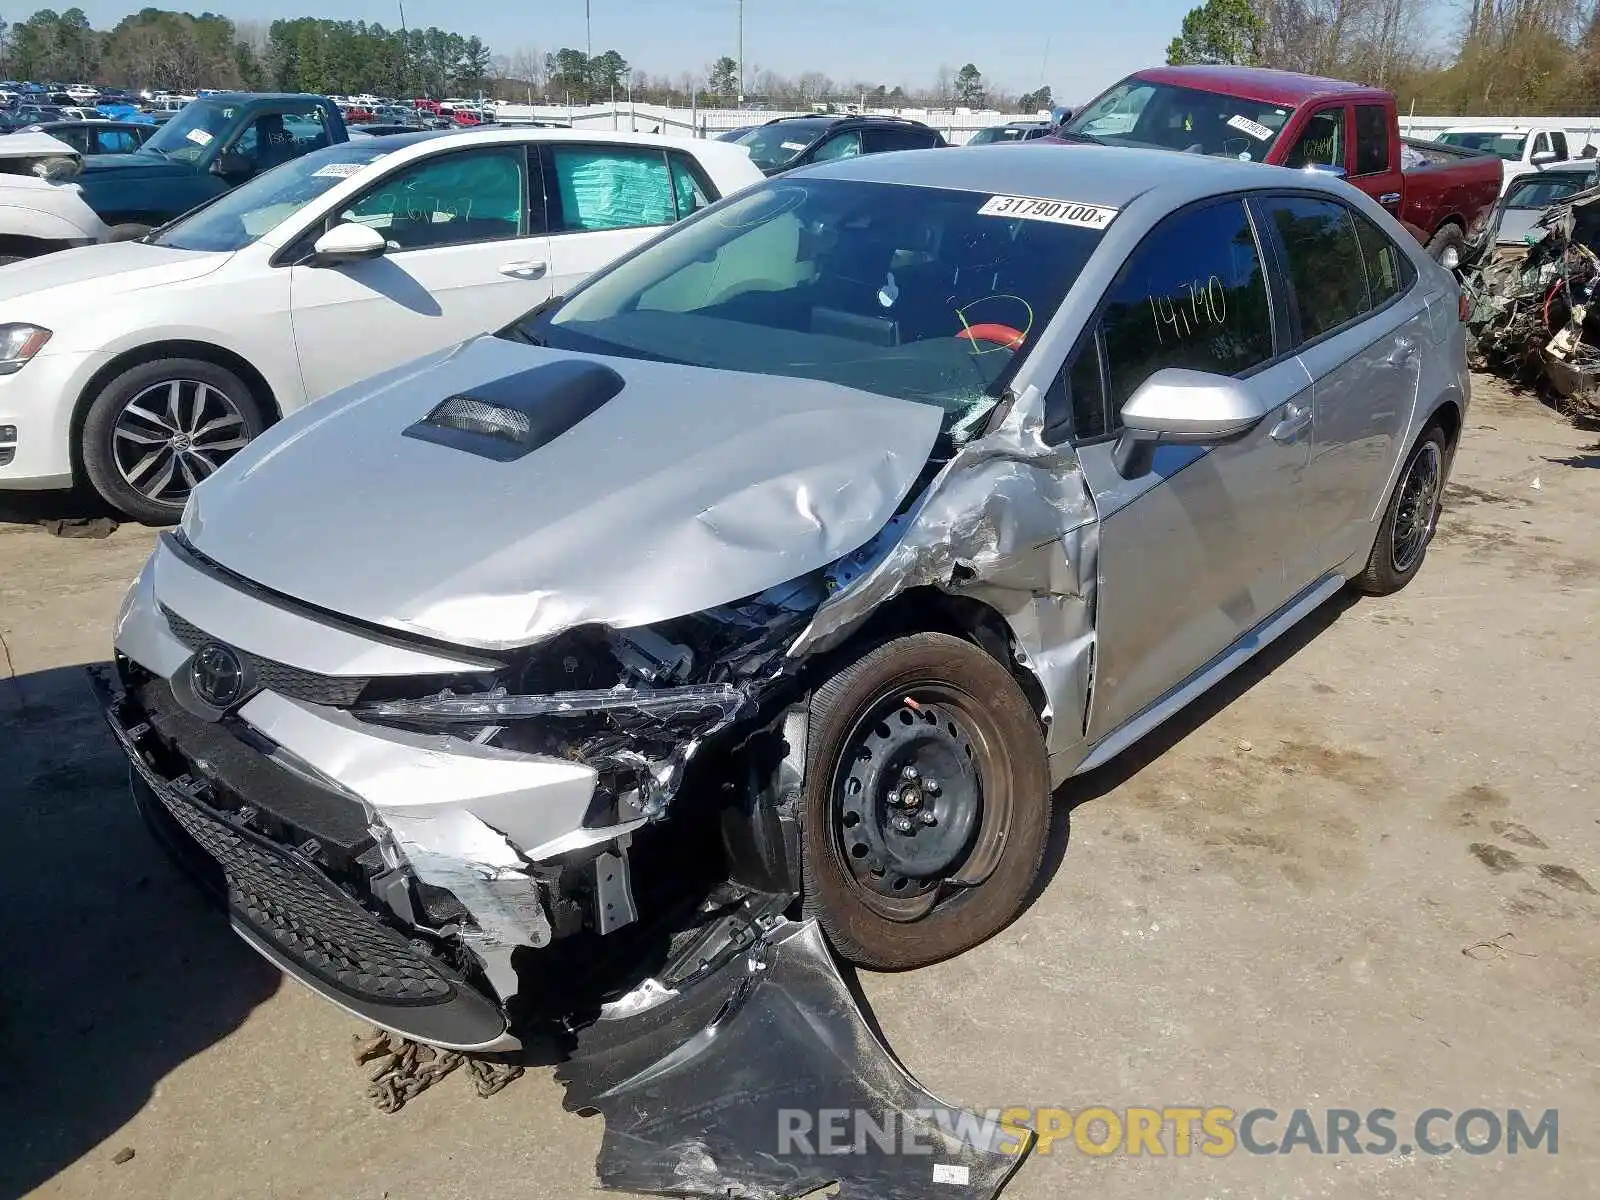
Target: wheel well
x: 929, y: 610
x: 1448, y: 418
x: 128, y: 359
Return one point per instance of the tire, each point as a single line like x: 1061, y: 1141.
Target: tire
x: 118, y: 465
x: 984, y: 827
x: 1402, y: 543
x: 1449, y: 247
x: 127, y: 232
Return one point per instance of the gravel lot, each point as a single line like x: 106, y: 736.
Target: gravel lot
x: 1364, y: 875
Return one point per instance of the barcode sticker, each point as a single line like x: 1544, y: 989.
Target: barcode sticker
x: 952, y: 1173
x: 1062, y: 212
x: 1245, y: 125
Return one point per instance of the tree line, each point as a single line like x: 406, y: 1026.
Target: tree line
x: 1444, y: 57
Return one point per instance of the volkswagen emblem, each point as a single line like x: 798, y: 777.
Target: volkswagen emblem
x: 217, y: 675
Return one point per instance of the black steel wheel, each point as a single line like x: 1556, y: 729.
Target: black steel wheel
x: 927, y: 802
x: 1410, y: 519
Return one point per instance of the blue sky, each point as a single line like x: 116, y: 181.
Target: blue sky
x: 888, y: 41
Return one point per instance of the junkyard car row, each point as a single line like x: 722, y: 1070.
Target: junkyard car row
x: 734, y: 605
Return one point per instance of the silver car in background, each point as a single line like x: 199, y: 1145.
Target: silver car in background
x: 797, y: 556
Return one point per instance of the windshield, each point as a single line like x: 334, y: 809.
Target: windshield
x: 1506, y: 145
x: 773, y: 146
x: 1541, y: 191
x: 1137, y: 112
x: 187, y: 135
x: 1005, y: 133
x: 912, y: 292
x: 237, y: 218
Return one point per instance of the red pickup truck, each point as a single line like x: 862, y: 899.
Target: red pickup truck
x: 1292, y: 120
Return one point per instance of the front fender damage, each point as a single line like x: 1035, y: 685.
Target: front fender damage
x: 731, y: 1086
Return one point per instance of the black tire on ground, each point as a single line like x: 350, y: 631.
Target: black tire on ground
x: 995, y: 829
x: 127, y: 232
x: 1449, y: 247
x: 100, y: 464
x: 1409, y: 519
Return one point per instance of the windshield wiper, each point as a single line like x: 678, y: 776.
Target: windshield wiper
x: 1087, y: 138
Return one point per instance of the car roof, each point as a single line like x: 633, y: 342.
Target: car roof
x: 1106, y: 175
x: 841, y: 118
x: 1260, y: 83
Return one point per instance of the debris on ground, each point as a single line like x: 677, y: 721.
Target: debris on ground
x: 405, y: 1068
x: 1533, y: 318
x: 80, y: 527
x: 123, y: 1155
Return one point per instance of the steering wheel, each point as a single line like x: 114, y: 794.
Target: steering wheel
x: 990, y: 331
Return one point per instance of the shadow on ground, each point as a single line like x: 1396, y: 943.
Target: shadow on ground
x: 78, y: 513
x: 1074, y: 793
x: 117, y: 969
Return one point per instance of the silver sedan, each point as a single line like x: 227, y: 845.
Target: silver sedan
x: 798, y: 555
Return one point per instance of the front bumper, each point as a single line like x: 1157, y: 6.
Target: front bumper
x: 290, y: 911
x: 37, y: 403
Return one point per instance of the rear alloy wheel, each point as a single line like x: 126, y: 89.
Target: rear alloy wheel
x: 156, y: 431
x: 927, y: 802
x: 1410, y: 519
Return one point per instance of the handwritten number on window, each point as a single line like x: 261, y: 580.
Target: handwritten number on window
x: 1194, y: 306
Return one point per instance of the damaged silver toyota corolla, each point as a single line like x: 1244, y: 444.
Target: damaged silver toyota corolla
x: 762, y: 589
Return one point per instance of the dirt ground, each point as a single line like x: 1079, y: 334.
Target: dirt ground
x: 1363, y: 875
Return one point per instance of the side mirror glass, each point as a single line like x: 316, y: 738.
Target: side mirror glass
x: 1181, y: 407
x: 348, y: 242
x: 230, y: 164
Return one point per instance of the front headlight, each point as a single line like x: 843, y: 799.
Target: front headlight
x: 18, y: 344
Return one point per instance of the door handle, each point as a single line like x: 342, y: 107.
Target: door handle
x: 1389, y: 198
x: 531, y: 269
x: 1295, y: 419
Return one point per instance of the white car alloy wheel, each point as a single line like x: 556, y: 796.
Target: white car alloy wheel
x: 173, y: 434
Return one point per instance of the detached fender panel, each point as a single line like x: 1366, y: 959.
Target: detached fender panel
x: 721, y: 1091
x: 54, y: 215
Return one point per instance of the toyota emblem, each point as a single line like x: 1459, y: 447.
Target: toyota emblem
x: 217, y: 675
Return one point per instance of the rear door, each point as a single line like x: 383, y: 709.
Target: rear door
x: 1362, y: 328
x: 1192, y: 553
x: 605, y: 199
x: 467, y: 253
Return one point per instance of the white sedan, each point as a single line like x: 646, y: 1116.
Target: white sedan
x: 140, y: 367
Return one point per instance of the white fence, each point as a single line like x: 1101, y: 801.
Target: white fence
x: 956, y: 126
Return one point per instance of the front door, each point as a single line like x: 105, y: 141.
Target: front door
x: 1192, y: 553
x: 467, y: 254
x: 1363, y: 328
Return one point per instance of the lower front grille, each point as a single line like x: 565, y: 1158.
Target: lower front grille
x: 304, y: 915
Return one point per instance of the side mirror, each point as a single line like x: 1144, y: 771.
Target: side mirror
x: 1326, y: 169
x: 348, y: 243
x: 1539, y: 157
x: 1181, y: 407
x: 230, y: 164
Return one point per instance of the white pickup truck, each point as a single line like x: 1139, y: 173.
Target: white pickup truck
x: 1523, y: 147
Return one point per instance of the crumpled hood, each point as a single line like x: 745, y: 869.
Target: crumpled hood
x: 689, y: 488
x: 113, y: 269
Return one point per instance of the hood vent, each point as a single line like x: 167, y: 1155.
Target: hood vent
x: 507, y: 418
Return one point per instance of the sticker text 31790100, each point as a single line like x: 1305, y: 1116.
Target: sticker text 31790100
x: 1061, y: 212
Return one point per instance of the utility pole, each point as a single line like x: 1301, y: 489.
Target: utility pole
x: 741, y: 51
x: 588, y: 32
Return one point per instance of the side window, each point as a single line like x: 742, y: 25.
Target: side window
x: 1326, y: 277
x: 881, y: 138
x: 1389, y: 271
x: 1558, y: 143
x: 117, y: 141
x: 1194, y: 295
x: 452, y: 200
x: 1372, y: 139
x: 840, y: 145
x: 276, y: 137
x: 1321, y: 141
x: 597, y: 188
x: 1541, y: 144
x: 690, y: 187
